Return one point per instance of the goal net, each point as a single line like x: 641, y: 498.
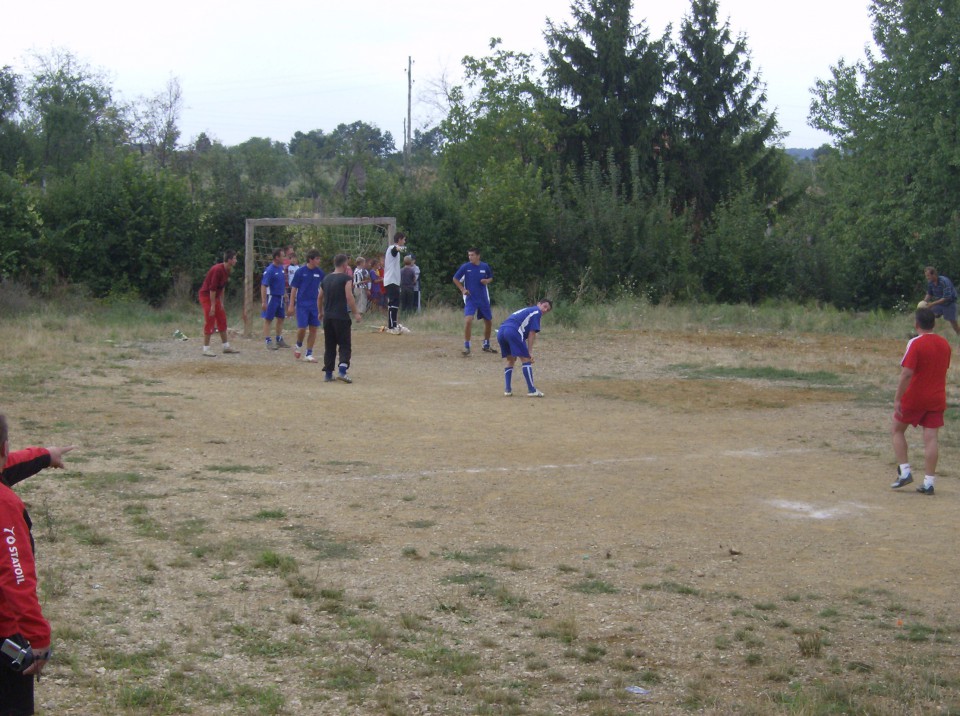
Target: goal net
x: 354, y: 236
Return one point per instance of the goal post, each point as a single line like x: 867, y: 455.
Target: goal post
x: 343, y: 234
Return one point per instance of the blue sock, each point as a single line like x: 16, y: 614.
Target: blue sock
x: 309, y: 351
x: 528, y: 374
x: 278, y: 338
x: 466, y: 344
x: 267, y: 339
x: 343, y: 369
x: 508, y: 378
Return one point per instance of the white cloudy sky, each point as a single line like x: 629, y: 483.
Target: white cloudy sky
x: 269, y: 69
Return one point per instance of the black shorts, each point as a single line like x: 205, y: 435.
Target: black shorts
x: 16, y: 693
x: 393, y: 294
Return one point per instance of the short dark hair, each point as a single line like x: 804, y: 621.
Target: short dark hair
x: 229, y: 254
x: 4, y: 431
x: 546, y: 300
x: 313, y: 254
x: 277, y: 252
x: 473, y: 251
x: 339, y: 260
x: 397, y: 236
x: 925, y: 319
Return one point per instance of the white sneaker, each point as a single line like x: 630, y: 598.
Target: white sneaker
x: 310, y: 359
x: 394, y: 331
x: 507, y: 393
x: 535, y: 394
x: 404, y: 330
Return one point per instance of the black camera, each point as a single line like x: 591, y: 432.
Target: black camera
x: 16, y: 656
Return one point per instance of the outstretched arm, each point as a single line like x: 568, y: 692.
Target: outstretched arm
x: 25, y: 463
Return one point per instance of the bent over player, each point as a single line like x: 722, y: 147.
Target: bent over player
x: 516, y: 337
x: 921, y: 399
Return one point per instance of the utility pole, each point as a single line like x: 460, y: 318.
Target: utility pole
x: 408, y: 133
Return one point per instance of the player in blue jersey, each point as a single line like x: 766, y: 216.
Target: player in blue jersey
x: 472, y: 279
x: 305, y: 302
x: 516, y: 336
x: 273, y: 287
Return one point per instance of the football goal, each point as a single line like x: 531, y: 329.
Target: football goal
x: 351, y: 235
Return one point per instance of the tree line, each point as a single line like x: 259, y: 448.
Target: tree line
x: 618, y: 163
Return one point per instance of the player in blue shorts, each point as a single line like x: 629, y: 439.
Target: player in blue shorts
x: 516, y: 336
x: 273, y: 287
x: 305, y: 301
x: 472, y: 279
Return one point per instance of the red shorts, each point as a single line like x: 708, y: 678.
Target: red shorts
x: 923, y: 418
x: 216, y: 322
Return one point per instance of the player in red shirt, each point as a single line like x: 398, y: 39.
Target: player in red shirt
x: 921, y: 399
x: 211, y: 299
x: 23, y: 627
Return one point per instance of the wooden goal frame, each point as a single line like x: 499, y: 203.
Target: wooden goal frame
x: 389, y: 222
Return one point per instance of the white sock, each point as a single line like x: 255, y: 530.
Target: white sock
x: 905, y: 469
x: 928, y: 480
x: 226, y: 344
x: 206, y: 349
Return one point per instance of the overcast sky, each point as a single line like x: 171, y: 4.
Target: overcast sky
x: 268, y: 69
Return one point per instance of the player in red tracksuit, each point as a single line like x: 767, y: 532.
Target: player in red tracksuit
x: 20, y: 615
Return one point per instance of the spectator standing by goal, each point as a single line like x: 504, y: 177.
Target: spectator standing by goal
x: 305, y: 302
x: 375, y: 274
x: 416, y: 270
x: 211, y: 299
x: 408, y: 286
x: 290, y: 265
x: 336, y: 305
x: 361, y: 285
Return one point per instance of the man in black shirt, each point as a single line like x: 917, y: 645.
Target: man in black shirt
x: 336, y: 305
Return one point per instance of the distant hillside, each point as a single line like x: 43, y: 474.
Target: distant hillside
x: 801, y: 154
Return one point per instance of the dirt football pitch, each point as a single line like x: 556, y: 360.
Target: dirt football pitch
x: 689, y: 522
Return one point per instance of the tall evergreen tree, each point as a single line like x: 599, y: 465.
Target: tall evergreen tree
x: 610, y: 76
x: 720, y: 129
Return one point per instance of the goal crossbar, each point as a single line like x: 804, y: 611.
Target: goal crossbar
x: 389, y: 222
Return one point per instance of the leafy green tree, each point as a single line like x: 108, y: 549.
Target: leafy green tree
x: 13, y: 145
x: 155, y: 123
x: 264, y: 163
x: 896, y: 118
x: 70, y: 112
x: 499, y: 114
x: 118, y: 227
x: 312, y: 152
x: 720, y: 131
x: 20, y: 226
x: 355, y: 148
x: 611, y: 77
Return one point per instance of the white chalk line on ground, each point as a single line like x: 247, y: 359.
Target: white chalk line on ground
x: 803, y: 510
x: 755, y: 453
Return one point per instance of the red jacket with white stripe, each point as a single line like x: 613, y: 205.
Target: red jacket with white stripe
x: 19, y: 604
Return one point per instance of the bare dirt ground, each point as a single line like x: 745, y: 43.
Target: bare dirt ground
x: 235, y: 536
